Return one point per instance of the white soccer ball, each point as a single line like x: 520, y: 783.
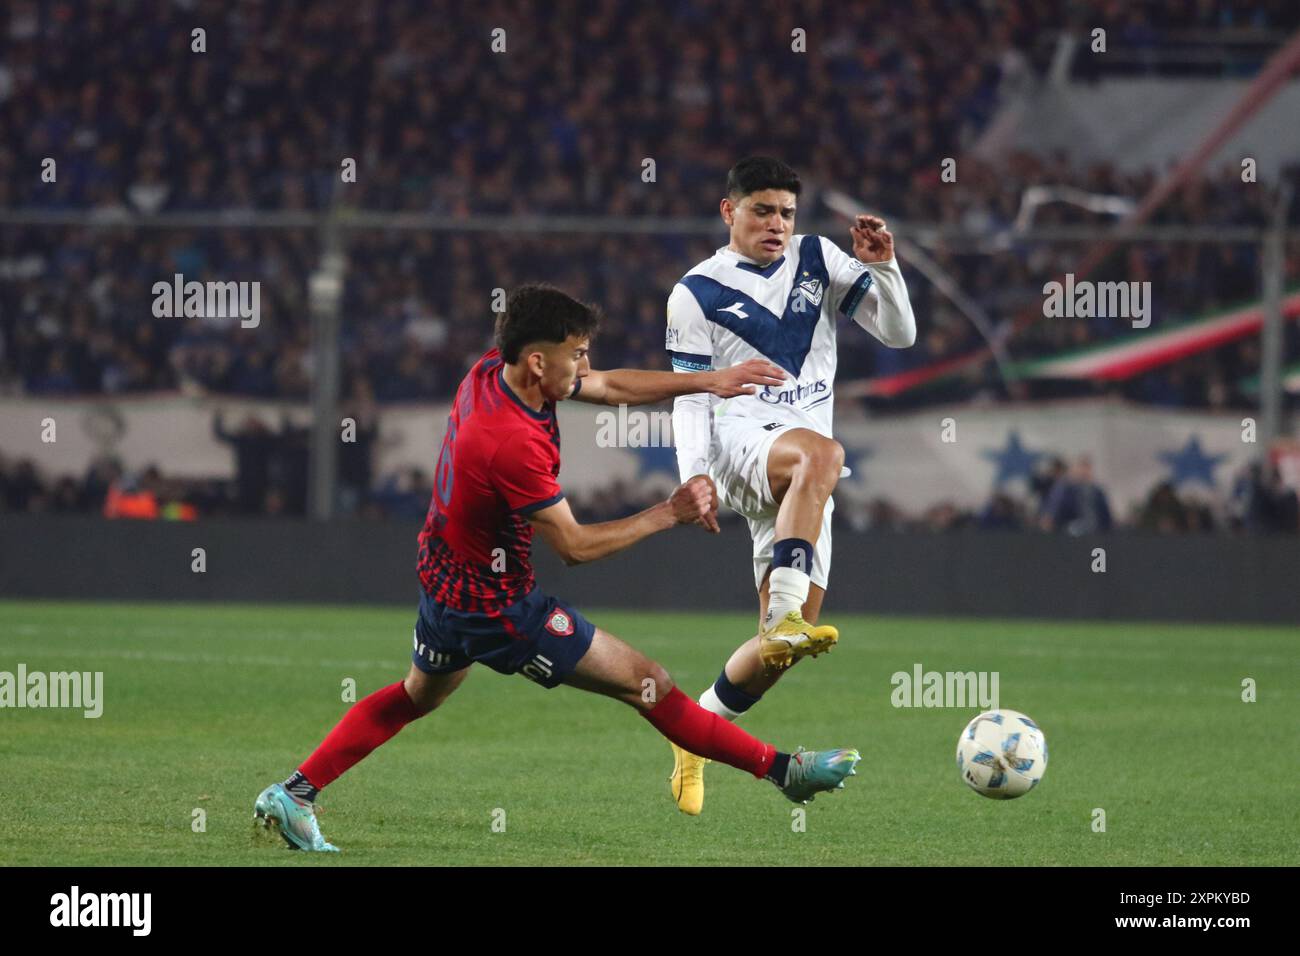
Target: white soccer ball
x: 1002, y: 754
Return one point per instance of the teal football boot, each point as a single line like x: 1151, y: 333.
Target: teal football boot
x: 279, y: 811
x: 817, y: 771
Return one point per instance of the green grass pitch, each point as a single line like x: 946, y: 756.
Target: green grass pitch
x: 206, y: 704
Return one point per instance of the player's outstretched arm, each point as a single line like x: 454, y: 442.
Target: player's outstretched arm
x: 575, y: 543
x: 629, y: 386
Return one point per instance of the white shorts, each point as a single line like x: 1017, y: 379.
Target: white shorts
x: 738, y: 466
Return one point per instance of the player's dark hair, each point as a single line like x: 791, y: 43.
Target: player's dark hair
x: 542, y: 313
x: 755, y: 173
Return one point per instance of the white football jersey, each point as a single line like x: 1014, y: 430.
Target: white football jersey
x: 728, y: 309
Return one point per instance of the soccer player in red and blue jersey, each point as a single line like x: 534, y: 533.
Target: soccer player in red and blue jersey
x: 496, y: 482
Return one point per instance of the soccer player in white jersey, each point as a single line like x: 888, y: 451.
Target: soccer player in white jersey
x: 770, y: 293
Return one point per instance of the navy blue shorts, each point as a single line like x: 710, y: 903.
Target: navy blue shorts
x: 538, y: 636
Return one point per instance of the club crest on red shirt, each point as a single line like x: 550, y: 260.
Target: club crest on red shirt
x: 560, y: 624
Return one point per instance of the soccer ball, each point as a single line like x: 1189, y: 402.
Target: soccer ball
x: 1001, y: 754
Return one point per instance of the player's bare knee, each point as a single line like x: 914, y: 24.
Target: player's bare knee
x: 424, y: 702
x: 655, y: 685
x: 424, y: 695
x: 822, y: 461
x: 831, y: 458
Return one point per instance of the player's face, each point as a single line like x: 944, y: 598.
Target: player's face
x: 761, y: 224
x: 564, y: 363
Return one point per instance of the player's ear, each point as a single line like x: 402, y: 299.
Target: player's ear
x: 727, y: 209
x: 535, y: 361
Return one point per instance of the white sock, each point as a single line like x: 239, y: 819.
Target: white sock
x: 709, y: 701
x: 787, y: 590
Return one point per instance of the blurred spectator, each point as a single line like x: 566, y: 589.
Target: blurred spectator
x: 883, y: 515
x: 945, y: 516
x: 404, y: 494
x: 1076, y: 504
x: 99, y: 477
x: 1261, y: 501
x: 1001, y: 514
x: 20, y: 488
x: 149, y: 496
x: 1163, y: 512
x: 133, y: 497
x: 66, y: 498
x: 290, y: 466
x: 357, y: 447
x: 1047, y: 472
x: 254, y: 446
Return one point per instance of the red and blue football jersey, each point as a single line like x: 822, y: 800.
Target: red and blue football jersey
x: 500, y: 462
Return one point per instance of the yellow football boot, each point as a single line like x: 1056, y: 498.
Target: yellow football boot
x: 687, y: 781
x: 792, y: 638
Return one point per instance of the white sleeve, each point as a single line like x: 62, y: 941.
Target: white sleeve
x: 886, y: 311
x: 873, y: 294
x: 693, y: 433
x: 689, y: 340
x: 690, y: 346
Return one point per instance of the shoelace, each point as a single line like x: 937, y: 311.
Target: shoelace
x: 796, y: 771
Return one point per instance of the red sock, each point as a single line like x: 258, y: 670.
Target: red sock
x: 705, y: 734
x: 365, y: 726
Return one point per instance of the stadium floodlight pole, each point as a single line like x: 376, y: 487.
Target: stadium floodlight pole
x: 325, y: 300
x: 1273, y: 267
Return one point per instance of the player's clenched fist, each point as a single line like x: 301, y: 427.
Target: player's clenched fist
x: 710, y: 520
x: 695, y: 503
x: 872, y: 242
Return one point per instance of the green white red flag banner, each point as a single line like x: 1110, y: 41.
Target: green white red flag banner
x: 1137, y: 353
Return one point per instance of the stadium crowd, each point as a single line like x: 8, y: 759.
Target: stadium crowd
x: 558, y: 122
x: 76, y: 307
